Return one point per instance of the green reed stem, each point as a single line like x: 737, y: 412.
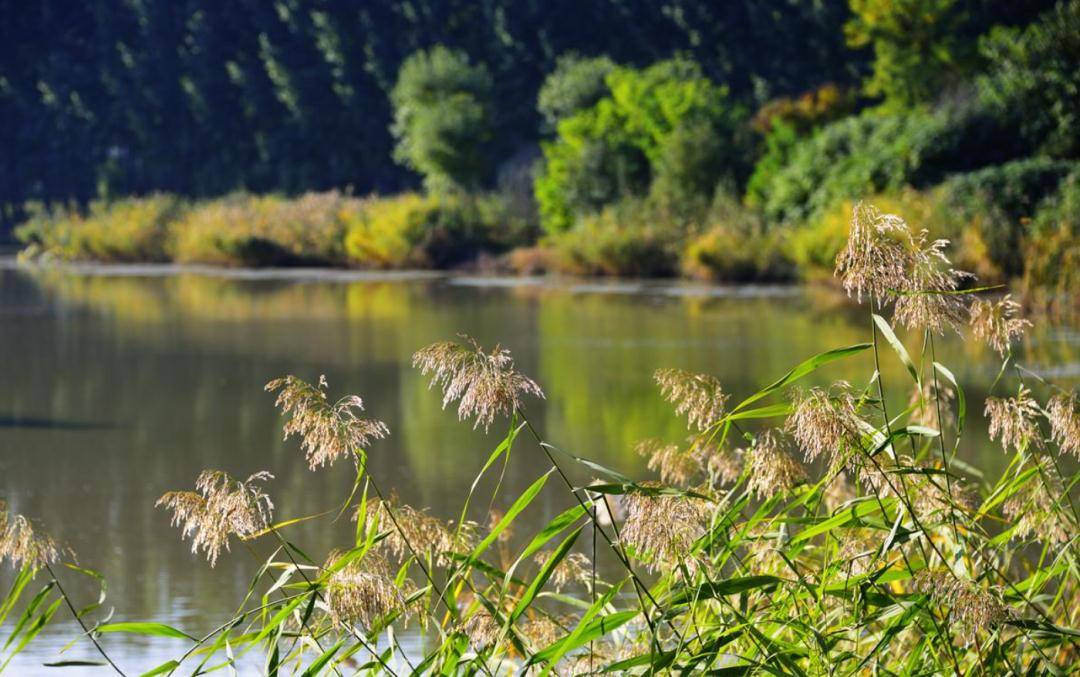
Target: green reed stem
x: 82, y: 624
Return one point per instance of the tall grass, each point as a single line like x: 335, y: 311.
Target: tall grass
x: 796, y: 531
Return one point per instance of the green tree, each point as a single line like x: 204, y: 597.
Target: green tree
x: 666, y: 126
x: 576, y: 83
x: 442, y: 119
x: 1034, y: 79
x: 918, y: 46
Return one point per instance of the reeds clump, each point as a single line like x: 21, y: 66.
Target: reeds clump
x: 219, y: 507
x: 328, y: 430
x: 896, y: 558
x: 484, y: 383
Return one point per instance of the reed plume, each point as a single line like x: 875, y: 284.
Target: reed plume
x: 874, y: 261
x: 972, y: 609
x: 406, y: 526
x: 1061, y: 412
x: 825, y: 423
x: 1032, y: 508
x: 772, y: 468
x: 219, y: 507
x: 1014, y: 420
x: 327, y: 430
x: 662, y: 528
x: 997, y: 323
x: 674, y: 465
x: 574, y: 568
x: 361, y: 591
x: 482, y: 629
x: 24, y: 546
x: 928, y: 299
x: 699, y: 397
x: 927, y: 400
x: 485, y: 384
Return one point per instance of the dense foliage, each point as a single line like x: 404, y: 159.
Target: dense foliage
x: 792, y: 530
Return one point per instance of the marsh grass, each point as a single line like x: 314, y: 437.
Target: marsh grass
x: 794, y: 532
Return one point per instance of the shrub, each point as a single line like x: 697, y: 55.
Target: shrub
x: 577, y: 83
x: 806, y: 112
x: 737, y: 246
x: 268, y: 230
x: 412, y: 230
x: 1034, y: 79
x: 1052, y: 250
x: 443, y: 119
x: 647, y: 127
x: 131, y: 229
x: 619, y: 240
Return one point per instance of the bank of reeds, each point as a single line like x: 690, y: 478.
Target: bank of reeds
x: 797, y: 531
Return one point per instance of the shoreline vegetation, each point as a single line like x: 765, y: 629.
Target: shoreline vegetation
x: 958, y: 116
x: 1034, y: 255
x: 789, y: 530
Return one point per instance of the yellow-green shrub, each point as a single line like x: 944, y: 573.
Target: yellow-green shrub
x: 411, y: 230
x: 727, y: 253
x: 264, y: 230
x: 619, y: 240
x: 131, y: 229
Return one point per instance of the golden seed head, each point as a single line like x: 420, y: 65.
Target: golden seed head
x: 1014, y: 420
x: 674, y: 465
x: 481, y: 629
x: 928, y: 299
x: 24, y: 546
x: 997, y: 323
x: 662, y: 528
x: 1064, y: 419
x: 972, y: 608
x: 327, y: 430
x: 772, y: 468
x: 361, y: 591
x: 1033, y: 509
x: 925, y: 402
x: 219, y: 506
x: 724, y: 466
x: 541, y: 631
x: 874, y: 261
x: 825, y: 423
x: 485, y: 384
x: 406, y: 526
x: 697, y: 396
x: 574, y: 568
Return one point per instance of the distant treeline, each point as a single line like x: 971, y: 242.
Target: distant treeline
x: 105, y: 98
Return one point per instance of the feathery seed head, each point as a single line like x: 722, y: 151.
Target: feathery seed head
x: 24, y: 546
x: 925, y: 402
x: 825, y: 422
x: 1064, y: 419
x: 997, y: 323
x: 481, y: 629
x: 874, y: 261
x: 928, y: 299
x: 361, y: 591
x: 1014, y: 420
x: 662, y: 528
x: 674, y: 465
x: 1034, y: 511
x: 327, y: 430
x: 772, y: 468
x: 574, y: 568
x: 416, y: 528
x: 972, y: 608
x: 485, y: 384
x: 219, y: 506
x: 698, y: 396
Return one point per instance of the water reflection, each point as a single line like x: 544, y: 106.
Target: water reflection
x: 118, y: 388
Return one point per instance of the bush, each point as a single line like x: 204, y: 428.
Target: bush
x: 619, y: 240
x: 1034, y: 79
x: 577, y: 83
x: 1052, y: 250
x: 648, y: 127
x: 443, y: 119
x: 131, y: 229
x: 727, y: 253
x: 269, y: 230
x: 875, y: 153
x: 412, y: 230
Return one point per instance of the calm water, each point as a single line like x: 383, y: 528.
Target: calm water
x: 121, y: 384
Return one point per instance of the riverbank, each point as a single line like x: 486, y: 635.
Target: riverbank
x: 1032, y: 246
